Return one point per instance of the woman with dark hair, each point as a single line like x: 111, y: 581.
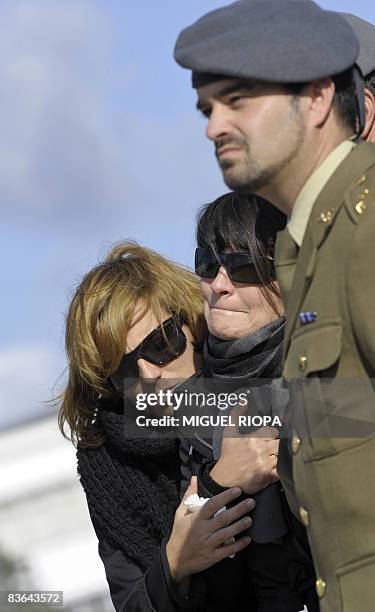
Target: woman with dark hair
x: 236, y: 237
x: 134, y: 324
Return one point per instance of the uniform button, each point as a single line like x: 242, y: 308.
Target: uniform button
x: 296, y: 443
x: 304, y: 515
x: 360, y: 207
x: 302, y: 362
x: 361, y: 180
x: 320, y: 587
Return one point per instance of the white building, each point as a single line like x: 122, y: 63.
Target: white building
x: 44, y: 517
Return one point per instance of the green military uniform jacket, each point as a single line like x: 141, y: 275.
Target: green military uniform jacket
x: 328, y: 469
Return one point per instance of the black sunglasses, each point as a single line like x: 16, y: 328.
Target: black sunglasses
x: 163, y: 344
x: 239, y: 266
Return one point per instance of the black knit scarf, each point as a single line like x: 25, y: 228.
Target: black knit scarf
x: 257, y: 355
x: 131, y: 484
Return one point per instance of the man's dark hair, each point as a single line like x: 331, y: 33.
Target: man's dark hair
x: 344, y: 101
x: 243, y: 222
x: 370, y: 81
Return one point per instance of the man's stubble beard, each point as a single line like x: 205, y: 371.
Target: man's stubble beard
x: 252, y: 177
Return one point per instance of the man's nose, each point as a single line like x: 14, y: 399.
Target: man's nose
x: 222, y: 283
x: 148, y: 371
x: 217, y: 125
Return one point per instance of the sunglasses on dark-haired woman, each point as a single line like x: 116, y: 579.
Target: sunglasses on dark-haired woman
x: 240, y: 267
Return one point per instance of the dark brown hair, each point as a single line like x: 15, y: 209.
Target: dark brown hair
x: 344, y: 102
x: 244, y: 222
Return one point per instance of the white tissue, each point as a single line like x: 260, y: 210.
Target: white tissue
x: 194, y: 502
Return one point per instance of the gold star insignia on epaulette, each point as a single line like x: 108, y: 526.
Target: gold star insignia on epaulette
x: 360, y: 206
x: 326, y: 217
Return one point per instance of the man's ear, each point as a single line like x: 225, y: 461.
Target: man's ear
x: 369, y: 131
x: 321, y: 94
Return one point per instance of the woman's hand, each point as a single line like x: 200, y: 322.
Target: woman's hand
x: 248, y: 461
x: 199, y: 540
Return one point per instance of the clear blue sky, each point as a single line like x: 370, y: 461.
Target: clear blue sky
x: 100, y: 141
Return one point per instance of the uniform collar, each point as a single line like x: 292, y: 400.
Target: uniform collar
x: 345, y: 187
x: 312, y: 188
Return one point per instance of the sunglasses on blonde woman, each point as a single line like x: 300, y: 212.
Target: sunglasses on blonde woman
x: 162, y: 345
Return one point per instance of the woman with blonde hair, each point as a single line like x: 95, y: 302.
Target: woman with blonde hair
x: 135, y: 324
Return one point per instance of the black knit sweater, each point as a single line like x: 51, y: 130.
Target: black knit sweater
x: 131, y: 484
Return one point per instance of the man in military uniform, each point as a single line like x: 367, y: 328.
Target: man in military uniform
x: 277, y: 82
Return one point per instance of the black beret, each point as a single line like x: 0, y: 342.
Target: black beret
x: 365, y: 32
x: 280, y: 41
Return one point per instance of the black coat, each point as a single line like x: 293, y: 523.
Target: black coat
x: 269, y: 576
x: 132, y: 491
x: 133, y: 590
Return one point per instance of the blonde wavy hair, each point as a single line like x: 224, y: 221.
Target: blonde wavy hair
x: 99, y: 318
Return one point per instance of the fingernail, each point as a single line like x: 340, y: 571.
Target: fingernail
x: 250, y: 503
x: 247, y: 520
x: 235, y: 491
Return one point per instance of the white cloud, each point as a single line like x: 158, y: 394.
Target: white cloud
x: 68, y: 159
x: 27, y: 377
x: 59, y: 153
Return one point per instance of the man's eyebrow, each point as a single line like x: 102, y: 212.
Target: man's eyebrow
x: 226, y: 90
